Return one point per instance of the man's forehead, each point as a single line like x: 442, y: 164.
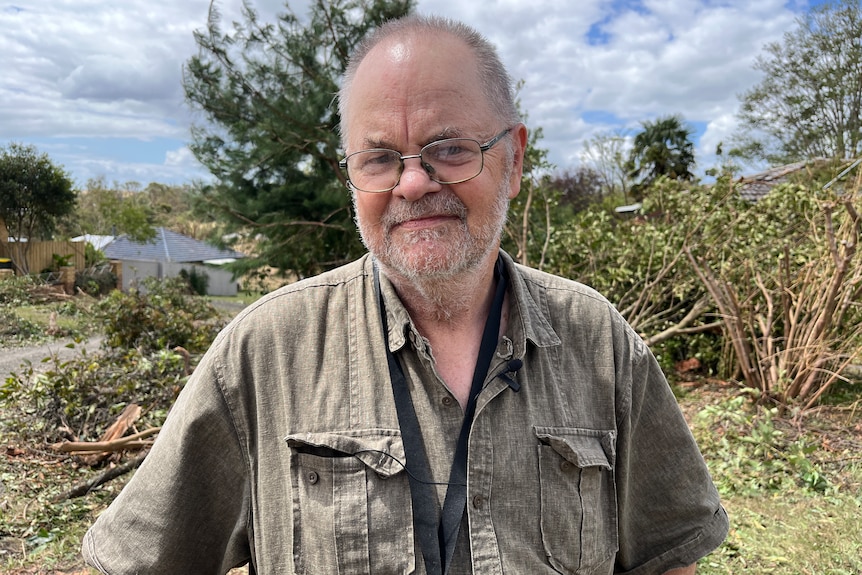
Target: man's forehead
x: 397, y: 51
x: 415, y: 49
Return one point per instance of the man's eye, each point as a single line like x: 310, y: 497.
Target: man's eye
x: 377, y: 161
x: 448, y: 152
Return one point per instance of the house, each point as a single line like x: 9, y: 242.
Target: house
x: 167, y: 255
x: 753, y: 188
x: 98, y: 242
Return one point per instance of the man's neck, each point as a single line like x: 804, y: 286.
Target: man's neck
x: 451, y: 315
x: 446, y: 304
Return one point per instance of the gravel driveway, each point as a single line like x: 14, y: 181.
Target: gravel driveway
x: 12, y: 358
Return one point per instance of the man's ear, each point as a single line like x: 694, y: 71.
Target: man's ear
x: 519, y: 147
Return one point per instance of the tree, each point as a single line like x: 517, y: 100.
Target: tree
x: 270, y: 138
x: 534, y: 213
x: 606, y: 154
x: 172, y: 208
x: 579, y: 188
x: 809, y: 103
x: 34, y: 194
x: 663, y: 148
x: 112, y: 210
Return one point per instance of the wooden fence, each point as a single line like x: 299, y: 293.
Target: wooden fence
x: 40, y: 255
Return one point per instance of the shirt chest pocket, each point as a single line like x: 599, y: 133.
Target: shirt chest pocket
x: 351, y: 503
x: 578, y: 498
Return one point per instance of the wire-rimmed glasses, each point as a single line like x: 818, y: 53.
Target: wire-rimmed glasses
x: 449, y: 161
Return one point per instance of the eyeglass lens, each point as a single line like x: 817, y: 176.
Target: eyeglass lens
x: 448, y: 161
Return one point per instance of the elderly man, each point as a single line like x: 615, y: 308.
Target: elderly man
x: 432, y: 407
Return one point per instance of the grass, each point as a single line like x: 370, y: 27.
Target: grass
x: 791, y: 534
x: 22, y: 325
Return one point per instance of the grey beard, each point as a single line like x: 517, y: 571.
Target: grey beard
x: 474, y: 248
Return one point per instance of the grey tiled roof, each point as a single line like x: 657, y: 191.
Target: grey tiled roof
x: 167, y: 246
x: 753, y: 188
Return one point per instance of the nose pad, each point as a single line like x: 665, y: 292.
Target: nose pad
x: 414, y: 183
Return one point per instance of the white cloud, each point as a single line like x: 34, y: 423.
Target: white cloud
x: 89, y: 69
x: 181, y: 157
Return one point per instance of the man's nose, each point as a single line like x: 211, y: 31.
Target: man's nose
x: 415, y: 179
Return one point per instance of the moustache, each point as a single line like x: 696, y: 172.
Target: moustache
x: 430, y: 205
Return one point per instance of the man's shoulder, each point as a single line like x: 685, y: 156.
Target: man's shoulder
x: 307, y: 299
x: 314, y: 286
x: 558, y: 287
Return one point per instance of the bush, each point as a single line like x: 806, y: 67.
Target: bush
x: 15, y: 329
x: 161, y: 315
x: 81, y: 397
x: 152, y: 336
x: 748, y: 452
x: 96, y: 280
x: 16, y: 290
x: 198, y: 280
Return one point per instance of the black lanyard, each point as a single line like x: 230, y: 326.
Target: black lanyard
x: 438, y: 536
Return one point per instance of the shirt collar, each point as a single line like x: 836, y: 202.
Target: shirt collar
x: 528, y: 316
x: 528, y: 320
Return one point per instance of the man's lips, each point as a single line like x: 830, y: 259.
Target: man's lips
x: 425, y: 222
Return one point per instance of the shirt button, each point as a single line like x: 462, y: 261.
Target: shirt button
x: 478, y: 500
x: 566, y: 466
x: 313, y: 477
x: 447, y: 401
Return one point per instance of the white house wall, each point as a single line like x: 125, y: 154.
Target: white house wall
x: 135, y: 271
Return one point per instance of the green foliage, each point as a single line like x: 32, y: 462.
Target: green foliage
x: 197, y: 280
x: 34, y: 195
x: 161, y: 315
x: 662, y: 148
x: 60, y: 261
x: 638, y: 263
x: 111, y: 210
x: 17, y: 290
x: 748, y: 453
x: 536, y: 211
x: 271, y: 132
x: 14, y: 329
x: 651, y: 266
x: 92, y: 256
x: 83, y: 395
x: 809, y: 102
x: 96, y: 280
x: 151, y: 336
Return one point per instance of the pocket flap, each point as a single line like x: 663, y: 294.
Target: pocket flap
x: 380, y: 449
x: 582, y: 447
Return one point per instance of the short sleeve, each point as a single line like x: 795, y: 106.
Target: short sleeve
x: 670, y: 514
x: 186, y: 510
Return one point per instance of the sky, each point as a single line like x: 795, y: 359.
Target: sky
x: 97, y: 85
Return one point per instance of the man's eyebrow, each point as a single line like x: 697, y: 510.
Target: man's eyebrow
x: 447, y: 133
x: 381, y: 142
x: 377, y: 143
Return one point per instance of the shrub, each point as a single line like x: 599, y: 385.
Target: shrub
x: 748, y: 452
x: 82, y: 396
x: 161, y: 315
x: 16, y: 290
x: 96, y: 280
x: 14, y: 329
x: 198, y: 280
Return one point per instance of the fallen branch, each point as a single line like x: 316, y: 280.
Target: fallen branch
x: 122, y: 444
x: 101, y: 479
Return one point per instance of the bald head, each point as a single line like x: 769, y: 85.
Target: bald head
x: 490, y: 74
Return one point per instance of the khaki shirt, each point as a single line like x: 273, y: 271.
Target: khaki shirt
x: 284, y: 448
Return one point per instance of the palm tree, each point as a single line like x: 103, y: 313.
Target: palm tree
x: 663, y: 148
